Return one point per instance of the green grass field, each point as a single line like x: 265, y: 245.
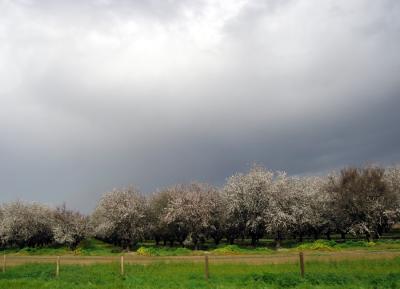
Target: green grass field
x: 343, y: 274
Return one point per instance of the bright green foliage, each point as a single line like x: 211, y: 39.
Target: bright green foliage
x: 37, y: 251
x: 355, y: 244
x: 318, y: 245
x: 94, y: 247
x: 236, y: 250
x: 165, y: 251
x: 221, y: 250
x: 332, y: 245
x: 88, y: 247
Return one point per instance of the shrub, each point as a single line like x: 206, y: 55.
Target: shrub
x: 155, y: 251
x: 236, y: 250
x: 318, y: 245
x: 228, y: 250
x: 355, y: 244
x: 147, y: 251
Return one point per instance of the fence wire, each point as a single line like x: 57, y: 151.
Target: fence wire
x: 14, y: 260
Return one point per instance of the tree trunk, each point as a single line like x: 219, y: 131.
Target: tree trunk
x: 368, y: 237
x: 216, y: 241
x: 277, y: 243
x: 328, y: 235
x: 343, y: 235
x: 195, y: 243
x: 278, y: 240
x: 254, y: 240
x: 378, y: 233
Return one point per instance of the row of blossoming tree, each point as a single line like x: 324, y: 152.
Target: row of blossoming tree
x: 363, y: 202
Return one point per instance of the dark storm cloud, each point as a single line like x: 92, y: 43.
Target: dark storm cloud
x: 103, y: 94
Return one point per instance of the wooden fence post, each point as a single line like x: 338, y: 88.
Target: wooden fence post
x: 206, y: 272
x: 58, y: 266
x: 4, y: 263
x: 122, y: 265
x: 301, y: 255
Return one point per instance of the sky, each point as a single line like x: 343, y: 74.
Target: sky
x: 101, y: 94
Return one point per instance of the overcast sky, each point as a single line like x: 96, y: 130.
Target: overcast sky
x: 101, y: 94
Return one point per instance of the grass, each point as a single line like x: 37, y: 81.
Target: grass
x: 93, y: 247
x: 327, y: 275
x: 380, y: 245
x: 89, y: 247
x: 220, y: 250
x: 318, y: 245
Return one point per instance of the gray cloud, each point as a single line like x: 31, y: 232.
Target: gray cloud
x: 103, y: 94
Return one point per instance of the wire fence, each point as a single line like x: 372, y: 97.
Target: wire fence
x: 300, y: 258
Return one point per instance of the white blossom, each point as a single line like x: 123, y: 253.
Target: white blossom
x: 69, y: 227
x: 120, y: 217
x: 24, y: 224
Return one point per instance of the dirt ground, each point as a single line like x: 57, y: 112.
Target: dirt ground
x: 278, y: 258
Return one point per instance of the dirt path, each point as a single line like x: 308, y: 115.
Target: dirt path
x: 278, y: 258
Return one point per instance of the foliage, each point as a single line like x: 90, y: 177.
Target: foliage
x: 93, y: 247
x: 318, y: 245
x: 87, y: 247
x: 364, y: 204
x: 159, y: 251
x: 236, y: 250
x: 333, y: 245
x: 355, y: 244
